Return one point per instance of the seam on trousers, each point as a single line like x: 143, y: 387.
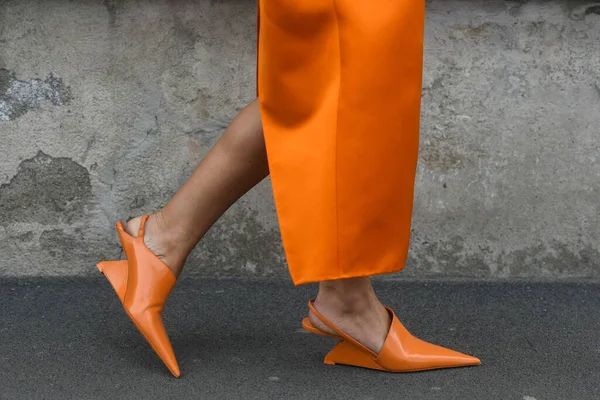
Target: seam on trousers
x: 337, y: 218
x: 257, y: 43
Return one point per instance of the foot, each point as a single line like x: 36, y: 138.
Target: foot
x: 352, y: 306
x: 163, y: 242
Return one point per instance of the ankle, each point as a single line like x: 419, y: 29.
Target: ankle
x: 160, y: 240
x: 162, y: 234
x: 348, y: 296
x: 172, y: 234
x: 353, y: 307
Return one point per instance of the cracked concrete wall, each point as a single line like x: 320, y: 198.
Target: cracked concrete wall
x: 107, y: 106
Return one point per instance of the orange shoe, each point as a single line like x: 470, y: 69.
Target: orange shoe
x: 143, y: 283
x: 401, y: 351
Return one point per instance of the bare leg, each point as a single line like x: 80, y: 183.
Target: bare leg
x: 232, y: 167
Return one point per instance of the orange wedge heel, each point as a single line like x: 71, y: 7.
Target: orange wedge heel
x: 143, y: 284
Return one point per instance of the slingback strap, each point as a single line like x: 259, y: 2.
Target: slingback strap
x: 143, y: 226
x: 338, y: 330
x: 141, y: 231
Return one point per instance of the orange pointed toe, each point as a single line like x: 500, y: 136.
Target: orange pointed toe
x: 401, y: 351
x: 143, y: 284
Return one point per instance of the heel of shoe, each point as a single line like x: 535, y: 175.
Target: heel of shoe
x: 100, y: 266
x: 310, y: 328
x: 111, y: 265
x: 116, y: 273
x: 346, y: 353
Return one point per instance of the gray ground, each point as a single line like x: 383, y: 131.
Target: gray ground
x: 70, y: 339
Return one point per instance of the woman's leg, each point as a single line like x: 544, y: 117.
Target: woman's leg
x: 232, y: 167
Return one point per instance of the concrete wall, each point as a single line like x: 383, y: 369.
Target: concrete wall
x: 107, y: 106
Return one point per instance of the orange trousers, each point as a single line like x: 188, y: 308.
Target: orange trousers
x: 339, y: 85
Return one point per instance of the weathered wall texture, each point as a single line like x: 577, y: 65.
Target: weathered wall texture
x: 106, y: 107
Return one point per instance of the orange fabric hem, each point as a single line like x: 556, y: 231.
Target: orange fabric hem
x: 362, y: 274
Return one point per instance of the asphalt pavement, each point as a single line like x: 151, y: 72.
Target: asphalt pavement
x: 242, y: 339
